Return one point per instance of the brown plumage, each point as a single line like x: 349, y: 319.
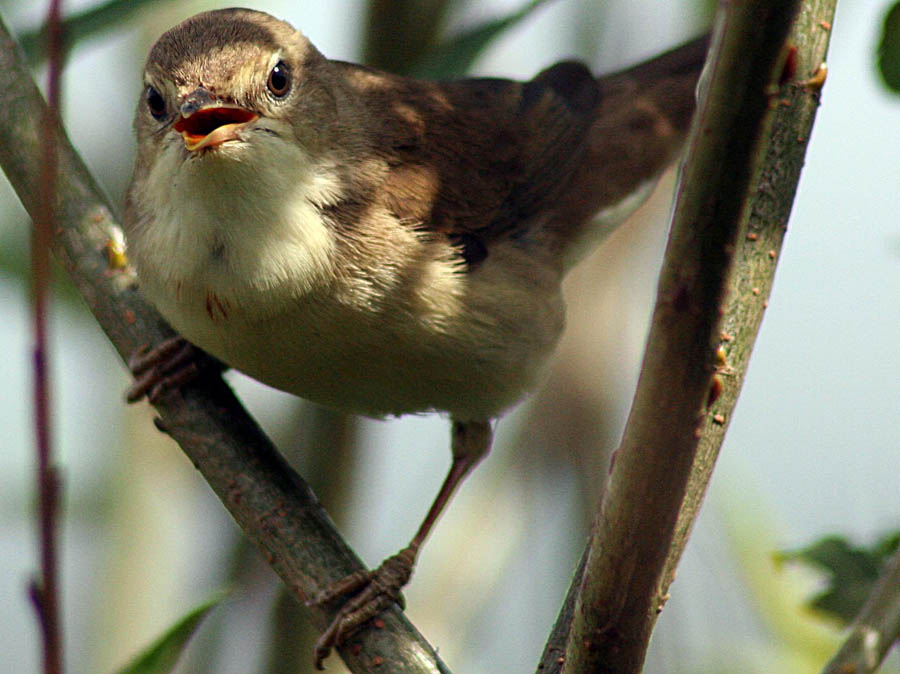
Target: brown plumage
x: 482, y: 157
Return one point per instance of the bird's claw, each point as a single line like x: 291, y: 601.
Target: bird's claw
x: 370, y: 593
x: 167, y: 366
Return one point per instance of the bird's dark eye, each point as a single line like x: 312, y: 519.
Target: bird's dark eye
x: 156, y: 103
x: 279, y: 82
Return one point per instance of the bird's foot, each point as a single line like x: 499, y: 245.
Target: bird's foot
x: 169, y: 365
x: 369, y: 592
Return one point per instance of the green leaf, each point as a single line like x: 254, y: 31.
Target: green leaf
x: 889, y: 49
x: 455, y: 56
x: 163, y: 654
x: 852, y: 571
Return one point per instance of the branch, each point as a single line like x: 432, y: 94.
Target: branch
x: 270, y: 502
x: 44, y: 590
x: 876, y: 628
x: 779, y: 158
x: 623, y: 587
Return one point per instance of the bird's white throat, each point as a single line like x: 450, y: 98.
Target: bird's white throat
x: 239, y: 221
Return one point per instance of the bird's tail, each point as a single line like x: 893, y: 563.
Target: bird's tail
x: 641, y: 120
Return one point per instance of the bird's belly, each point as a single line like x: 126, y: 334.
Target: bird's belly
x: 473, y: 367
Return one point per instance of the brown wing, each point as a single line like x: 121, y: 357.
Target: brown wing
x: 479, y: 159
x: 477, y: 155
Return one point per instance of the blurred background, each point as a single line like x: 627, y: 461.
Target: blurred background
x: 812, y: 449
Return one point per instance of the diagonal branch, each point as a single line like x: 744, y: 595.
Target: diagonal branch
x: 628, y: 568
x: 269, y: 501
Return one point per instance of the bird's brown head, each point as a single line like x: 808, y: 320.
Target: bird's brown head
x: 224, y: 75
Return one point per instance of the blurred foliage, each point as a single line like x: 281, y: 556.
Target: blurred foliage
x: 419, y: 24
x: 455, y: 56
x: 707, y: 9
x: 794, y: 640
x: 83, y: 25
x: 852, y: 571
x: 398, y: 33
x: 889, y: 49
x: 163, y: 654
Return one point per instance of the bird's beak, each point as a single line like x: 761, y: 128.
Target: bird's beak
x: 211, y: 125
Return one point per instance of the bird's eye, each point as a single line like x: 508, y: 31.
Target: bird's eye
x: 279, y: 82
x: 156, y: 103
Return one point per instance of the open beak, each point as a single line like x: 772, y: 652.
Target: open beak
x: 211, y: 126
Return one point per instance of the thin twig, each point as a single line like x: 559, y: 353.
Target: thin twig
x: 270, y: 502
x: 875, y: 629
x: 634, y: 528
x: 44, y: 590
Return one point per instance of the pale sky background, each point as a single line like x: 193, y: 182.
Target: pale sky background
x: 812, y: 449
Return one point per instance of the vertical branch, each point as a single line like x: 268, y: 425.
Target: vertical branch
x: 770, y: 199
x: 634, y: 528
x: 779, y: 159
x: 44, y: 590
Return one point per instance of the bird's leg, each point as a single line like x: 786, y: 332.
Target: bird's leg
x: 371, y: 592
x: 168, y: 365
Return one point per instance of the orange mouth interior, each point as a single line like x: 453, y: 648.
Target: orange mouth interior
x: 199, y: 126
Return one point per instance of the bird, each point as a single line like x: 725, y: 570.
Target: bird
x: 374, y: 243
